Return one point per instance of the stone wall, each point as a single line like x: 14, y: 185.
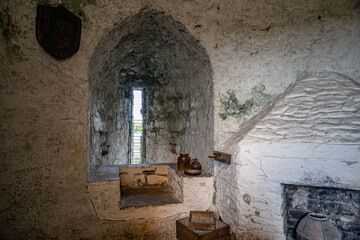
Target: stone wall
x: 152, y: 51
x: 131, y: 177
x: 309, y: 136
x: 44, y: 102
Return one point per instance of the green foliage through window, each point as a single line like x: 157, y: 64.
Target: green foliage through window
x: 137, y: 127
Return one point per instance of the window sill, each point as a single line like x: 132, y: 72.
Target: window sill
x: 111, y: 172
x: 107, y: 196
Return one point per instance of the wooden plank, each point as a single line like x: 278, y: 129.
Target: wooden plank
x: 222, y: 157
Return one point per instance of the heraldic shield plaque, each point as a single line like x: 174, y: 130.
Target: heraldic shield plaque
x: 58, y: 31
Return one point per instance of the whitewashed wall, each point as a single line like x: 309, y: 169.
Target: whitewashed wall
x: 309, y: 136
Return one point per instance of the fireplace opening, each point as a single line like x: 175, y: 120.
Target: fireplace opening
x: 340, y: 206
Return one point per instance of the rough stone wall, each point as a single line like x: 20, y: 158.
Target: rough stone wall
x: 44, y: 102
x: 309, y: 136
x: 156, y: 53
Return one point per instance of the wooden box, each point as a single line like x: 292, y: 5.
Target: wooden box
x: 221, y: 231
x: 202, y: 220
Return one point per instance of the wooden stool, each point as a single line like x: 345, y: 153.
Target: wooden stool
x: 222, y: 231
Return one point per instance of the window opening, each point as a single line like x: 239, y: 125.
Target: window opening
x: 137, y: 147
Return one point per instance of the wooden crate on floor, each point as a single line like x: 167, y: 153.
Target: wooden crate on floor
x: 202, y: 220
x: 221, y: 232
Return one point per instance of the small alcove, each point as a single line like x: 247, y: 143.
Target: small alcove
x: 155, y: 54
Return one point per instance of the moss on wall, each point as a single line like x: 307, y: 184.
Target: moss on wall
x: 230, y: 105
x: 11, y: 33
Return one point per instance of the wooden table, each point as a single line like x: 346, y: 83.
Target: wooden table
x: 221, y: 232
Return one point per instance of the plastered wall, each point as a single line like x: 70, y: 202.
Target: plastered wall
x: 44, y: 102
x: 310, y: 136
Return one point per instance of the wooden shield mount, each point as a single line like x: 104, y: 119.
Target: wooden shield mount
x: 58, y: 31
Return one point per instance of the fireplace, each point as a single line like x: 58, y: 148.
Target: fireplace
x: 342, y: 206
x: 305, y: 146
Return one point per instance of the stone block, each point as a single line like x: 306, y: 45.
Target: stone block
x: 156, y: 180
x: 131, y: 180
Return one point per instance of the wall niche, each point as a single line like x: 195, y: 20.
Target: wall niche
x: 152, y: 51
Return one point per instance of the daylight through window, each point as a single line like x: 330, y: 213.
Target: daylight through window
x: 137, y: 148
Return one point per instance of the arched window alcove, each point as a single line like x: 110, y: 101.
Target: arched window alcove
x: 152, y: 52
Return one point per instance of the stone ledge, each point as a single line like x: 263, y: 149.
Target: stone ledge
x: 105, y: 197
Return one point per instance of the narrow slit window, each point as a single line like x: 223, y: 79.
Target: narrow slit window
x: 137, y: 148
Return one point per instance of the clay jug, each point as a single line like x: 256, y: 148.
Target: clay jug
x: 187, y: 162
x: 181, y: 162
x: 195, y: 164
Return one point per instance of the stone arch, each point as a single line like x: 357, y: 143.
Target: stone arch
x: 151, y: 50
